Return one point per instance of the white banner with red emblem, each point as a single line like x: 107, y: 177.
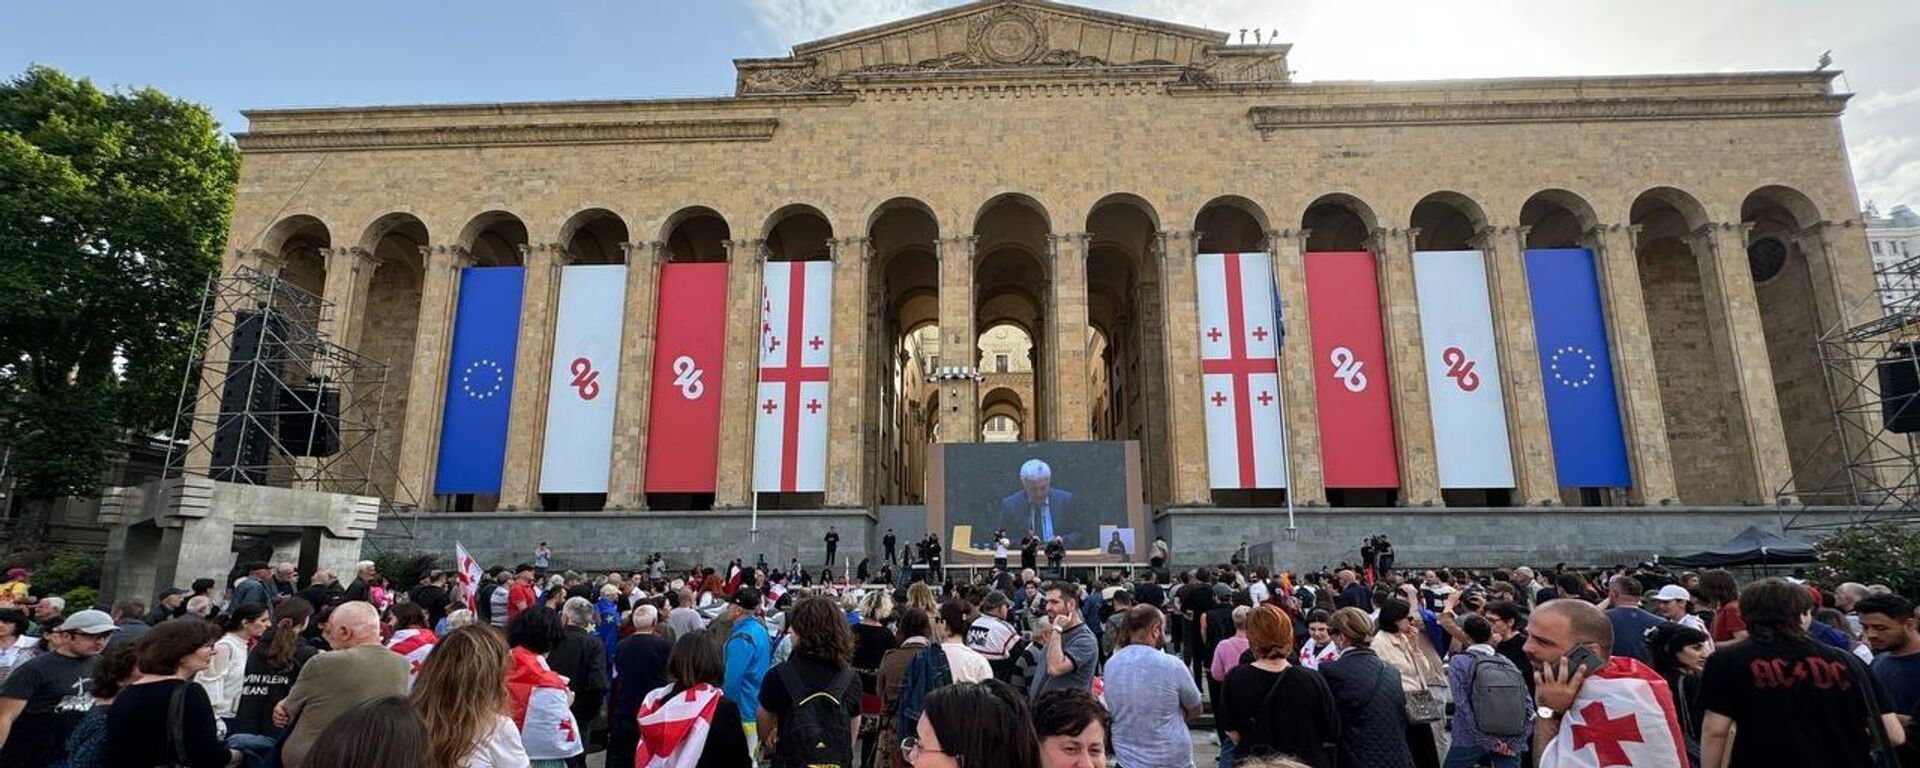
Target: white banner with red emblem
x: 1463, y: 370
x: 1240, y: 371
x: 796, y: 344
x: 584, y: 379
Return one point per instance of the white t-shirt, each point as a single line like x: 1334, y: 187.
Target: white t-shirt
x: 991, y: 637
x: 1257, y: 591
x: 967, y: 665
x: 500, y: 748
x: 1000, y: 549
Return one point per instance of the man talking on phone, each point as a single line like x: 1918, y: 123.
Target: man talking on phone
x: 1594, y: 708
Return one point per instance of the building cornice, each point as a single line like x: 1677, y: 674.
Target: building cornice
x: 1268, y: 119
x: 513, y: 134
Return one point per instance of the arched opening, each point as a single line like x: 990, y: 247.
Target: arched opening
x: 387, y: 329
x: 1790, y: 315
x: 1704, y: 426
x: 1003, y: 416
x: 300, y: 244
x: 1340, y: 229
x: 696, y: 234
x: 906, y: 298
x: 692, y: 235
x: 1233, y: 224
x: 492, y: 239
x: 1126, y: 358
x: 1006, y: 366
x: 592, y: 238
x: 795, y: 233
x: 1472, y: 452
x: 1011, y: 286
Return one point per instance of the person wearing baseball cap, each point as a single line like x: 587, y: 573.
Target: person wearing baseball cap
x: 1672, y: 602
x: 749, y: 654
x: 44, y: 698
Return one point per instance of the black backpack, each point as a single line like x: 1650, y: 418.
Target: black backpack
x: 814, y: 734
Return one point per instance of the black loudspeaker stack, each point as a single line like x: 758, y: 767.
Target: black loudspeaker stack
x: 1899, y: 384
x: 247, y: 397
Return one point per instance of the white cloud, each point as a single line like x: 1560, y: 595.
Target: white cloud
x: 797, y: 21
x: 1881, y: 101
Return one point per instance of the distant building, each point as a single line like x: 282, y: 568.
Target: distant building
x: 1892, y: 238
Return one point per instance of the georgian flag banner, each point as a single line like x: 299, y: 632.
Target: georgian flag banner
x: 1350, y: 371
x: 1240, y: 371
x: 469, y: 574
x: 1463, y: 370
x: 790, y: 411
x: 584, y: 379
x: 1623, y: 715
x: 473, y: 426
x: 1576, y: 369
x: 683, y: 446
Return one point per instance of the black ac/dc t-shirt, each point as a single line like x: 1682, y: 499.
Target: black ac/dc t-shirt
x: 1796, y: 704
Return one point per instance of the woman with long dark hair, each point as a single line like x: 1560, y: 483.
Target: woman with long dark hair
x: 461, y: 697
x: 541, y: 700
x: 974, y: 724
x: 139, y: 726
x: 820, y: 663
x: 382, y: 733
x: 689, y: 722
x: 272, y: 666
x: 1679, y: 655
x: 225, y: 678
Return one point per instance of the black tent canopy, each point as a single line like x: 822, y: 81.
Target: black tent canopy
x: 1752, y: 546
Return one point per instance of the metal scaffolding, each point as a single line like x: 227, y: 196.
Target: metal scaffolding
x: 1870, y: 369
x: 269, y: 399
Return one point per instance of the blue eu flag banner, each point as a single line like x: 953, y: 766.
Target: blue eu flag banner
x: 473, y: 430
x: 1583, y: 411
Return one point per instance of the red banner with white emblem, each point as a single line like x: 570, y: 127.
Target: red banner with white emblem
x: 683, y: 446
x: 1350, y: 371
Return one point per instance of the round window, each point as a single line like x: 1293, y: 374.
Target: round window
x: 1766, y: 257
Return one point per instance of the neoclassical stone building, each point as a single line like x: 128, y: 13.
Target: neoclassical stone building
x: 1057, y: 169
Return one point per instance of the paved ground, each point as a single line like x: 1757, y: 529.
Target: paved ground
x: 1204, y: 752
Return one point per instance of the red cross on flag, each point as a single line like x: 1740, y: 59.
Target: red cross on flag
x: 1623, y: 716
x: 1240, y: 366
x: 469, y: 575
x: 790, y: 412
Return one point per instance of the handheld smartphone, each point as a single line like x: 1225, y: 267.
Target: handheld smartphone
x: 1583, y: 658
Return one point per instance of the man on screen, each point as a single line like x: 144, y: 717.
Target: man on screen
x: 1044, y: 509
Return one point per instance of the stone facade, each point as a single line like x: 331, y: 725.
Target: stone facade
x: 1059, y: 168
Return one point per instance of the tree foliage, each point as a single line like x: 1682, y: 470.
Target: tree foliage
x: 113, y: 209
x: 1882, y: 554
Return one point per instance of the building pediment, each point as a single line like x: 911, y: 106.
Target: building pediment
x: 982, y: 39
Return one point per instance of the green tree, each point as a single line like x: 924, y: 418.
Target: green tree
x: 114, y: 207
x: 1879, y: 554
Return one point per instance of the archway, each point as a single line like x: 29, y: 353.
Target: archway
x: 1343, y: 224
x: 1704, y: 427
x: 906, y: 297
x: 1011, y: 286
x: 1791, y: 316
x: 1125, y: 356
x: 1470, y: 426
x: 387, y: 330
x: 795, y: 233
x: 1003, y: 416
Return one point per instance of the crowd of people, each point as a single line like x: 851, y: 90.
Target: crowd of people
x: 1358, y: 666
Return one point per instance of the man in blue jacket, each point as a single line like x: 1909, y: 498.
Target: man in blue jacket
x: 749, y: 653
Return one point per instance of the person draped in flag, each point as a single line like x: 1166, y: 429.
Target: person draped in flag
x: 539, y: 695
x: 411, y: 638
x: 689, y: 723
x: 1621, y: 714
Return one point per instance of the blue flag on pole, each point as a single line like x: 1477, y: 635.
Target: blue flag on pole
x: 1583, y: 411
x: 473, y: 429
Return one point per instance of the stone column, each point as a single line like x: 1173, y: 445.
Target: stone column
x: 1519, y: 355
x: 1186, y: 424
x: 959, y: 348
x: 533, y: 363
x: 1641, y: 414
x: 627, y: 478
x: 349, y: 274
x: 1306, y: 479
x: 746, y: 264
x: 427, y: 382
x: 1068, y: 310
x: 847, y: 371
x: 1406, y: 368
x: 1741, y: 342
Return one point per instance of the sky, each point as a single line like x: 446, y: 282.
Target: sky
x: 233, y: 55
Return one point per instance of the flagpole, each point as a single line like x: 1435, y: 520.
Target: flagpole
x: 1286, y: 443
